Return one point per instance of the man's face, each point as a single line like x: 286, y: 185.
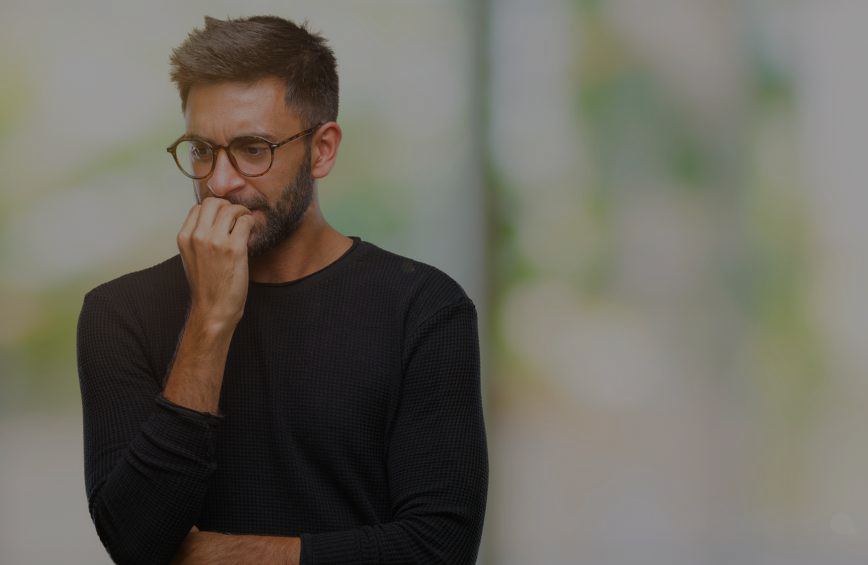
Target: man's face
x: 223, y: 111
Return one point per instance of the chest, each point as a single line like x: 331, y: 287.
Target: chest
x: 318, y: 381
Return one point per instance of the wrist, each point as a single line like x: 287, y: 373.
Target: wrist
x: 207, y: 323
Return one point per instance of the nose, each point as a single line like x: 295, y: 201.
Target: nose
x: 224, y: 179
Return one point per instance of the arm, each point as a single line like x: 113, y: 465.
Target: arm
x: 212, y: 548
x: 149, y: 452
x: 147, y: 459
x: 437, y: 459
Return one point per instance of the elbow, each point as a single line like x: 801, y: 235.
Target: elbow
x: 447, y: 537
x: 467, y: 541
x: 132, y: 543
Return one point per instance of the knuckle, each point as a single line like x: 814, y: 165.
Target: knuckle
x: 229, y: 211
x: 223, y: 211
x: 213, y: 202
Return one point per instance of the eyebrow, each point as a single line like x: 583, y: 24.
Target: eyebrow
x: 262, y: 134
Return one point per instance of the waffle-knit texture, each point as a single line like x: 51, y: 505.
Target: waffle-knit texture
x: 350, y: 415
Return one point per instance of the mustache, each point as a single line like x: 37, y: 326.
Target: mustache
x: 251, y: 205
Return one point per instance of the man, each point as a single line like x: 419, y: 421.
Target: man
x: 277, y: 392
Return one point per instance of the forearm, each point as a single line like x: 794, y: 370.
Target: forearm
x: 146, y: 504
x: 196, y: 375
x: 155, y: 491
x: 212, y: 548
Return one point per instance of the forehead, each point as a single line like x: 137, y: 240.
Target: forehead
x: 225, y: 108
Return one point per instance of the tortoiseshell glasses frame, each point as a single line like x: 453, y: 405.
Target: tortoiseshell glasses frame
x: 204, y: 153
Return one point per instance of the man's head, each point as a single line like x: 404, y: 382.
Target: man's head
x: 249, y: 49
x: 268, y: 77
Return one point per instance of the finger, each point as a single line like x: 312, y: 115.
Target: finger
x: 188, y: 225
x: 241, y: 232
x: 210, y: 207
x: 226, y: 218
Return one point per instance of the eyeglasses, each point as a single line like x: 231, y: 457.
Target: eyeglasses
x: 251, y: 155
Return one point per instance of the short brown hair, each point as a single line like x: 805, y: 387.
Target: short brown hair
x: 249, y: 49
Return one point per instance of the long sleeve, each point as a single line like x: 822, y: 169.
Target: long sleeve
x: 146, y: 459
x: 437, y: 460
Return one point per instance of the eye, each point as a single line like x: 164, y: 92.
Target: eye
x: 250, y: 149
x: 200, y: 151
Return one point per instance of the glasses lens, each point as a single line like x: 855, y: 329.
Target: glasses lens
x: 253, y: 155
x: 195, y: 157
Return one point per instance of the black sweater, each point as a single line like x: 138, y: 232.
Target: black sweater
x: 350, y: 415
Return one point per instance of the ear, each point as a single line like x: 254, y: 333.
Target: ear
x: 324, y: 149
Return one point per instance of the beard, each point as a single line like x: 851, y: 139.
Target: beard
x: 284, y: 218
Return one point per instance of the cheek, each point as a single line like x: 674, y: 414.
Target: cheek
x: 282, y: 173
x: 261, y: 193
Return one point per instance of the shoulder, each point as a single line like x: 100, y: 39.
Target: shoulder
x: 142, y: 291
x: 418, y: 288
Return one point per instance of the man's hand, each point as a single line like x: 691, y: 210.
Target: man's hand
x: 212, y: 548
x: 213, y: 245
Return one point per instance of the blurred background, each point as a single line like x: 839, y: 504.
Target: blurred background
x: 656, y: 206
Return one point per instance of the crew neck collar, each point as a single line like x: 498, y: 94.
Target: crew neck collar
x: 357, y: 241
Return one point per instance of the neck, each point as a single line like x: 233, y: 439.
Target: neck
x: 311, y: 247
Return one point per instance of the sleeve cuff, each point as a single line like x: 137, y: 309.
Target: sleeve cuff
x: 202, y: 417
